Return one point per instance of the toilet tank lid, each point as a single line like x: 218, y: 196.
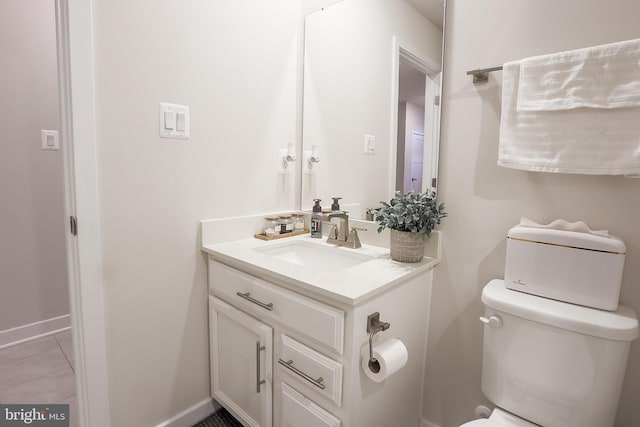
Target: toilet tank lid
x: 619, y: 325
x: 569, y: 239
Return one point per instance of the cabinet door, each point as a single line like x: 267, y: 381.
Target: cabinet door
x: 241, y: 363
x: 298, y: 411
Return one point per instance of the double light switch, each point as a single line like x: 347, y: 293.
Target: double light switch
x: 174, y: 121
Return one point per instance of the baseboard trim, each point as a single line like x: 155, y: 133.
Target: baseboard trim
x: 32, y: 331
x: 427, y: 423
x: 192, y: 415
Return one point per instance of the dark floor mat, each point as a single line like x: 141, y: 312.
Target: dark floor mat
x: 221, y: 418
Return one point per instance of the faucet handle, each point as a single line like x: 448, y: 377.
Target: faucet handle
x: 353, y: 239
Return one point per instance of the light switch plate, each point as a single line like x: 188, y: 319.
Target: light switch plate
x: 174, y: 121
x: 50, y: 140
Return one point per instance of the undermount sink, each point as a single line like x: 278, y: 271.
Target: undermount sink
x: 317, y: 257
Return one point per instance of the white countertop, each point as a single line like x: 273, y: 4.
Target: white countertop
x: 350, y: 285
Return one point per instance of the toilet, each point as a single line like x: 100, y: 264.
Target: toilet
x: 552, y: 363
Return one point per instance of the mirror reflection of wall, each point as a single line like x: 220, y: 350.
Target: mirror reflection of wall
x: 358, y: 58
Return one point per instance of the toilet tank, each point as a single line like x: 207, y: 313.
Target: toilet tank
x: 553, y: 363
x: 580, y: 268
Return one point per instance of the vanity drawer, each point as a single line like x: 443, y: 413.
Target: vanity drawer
x: 311, y: 369
x: 305, y: 412
x: 318, y: 321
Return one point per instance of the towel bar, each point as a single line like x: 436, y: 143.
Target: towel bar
x: 481, y: 75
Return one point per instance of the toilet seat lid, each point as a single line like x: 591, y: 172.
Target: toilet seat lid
x: 500, y: 418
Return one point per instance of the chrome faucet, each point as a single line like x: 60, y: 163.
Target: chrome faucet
x: 340, y: 234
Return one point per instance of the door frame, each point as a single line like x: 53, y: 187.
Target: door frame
x: 74, y: 40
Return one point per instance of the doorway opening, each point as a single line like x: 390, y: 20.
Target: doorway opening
x: 416, y: 115
x: 34, y: 292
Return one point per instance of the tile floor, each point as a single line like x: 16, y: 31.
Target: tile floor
x: 40, y: 372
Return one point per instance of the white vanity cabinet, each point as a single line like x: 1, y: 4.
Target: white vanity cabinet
x: 288, y: 356
x: 241, y: 365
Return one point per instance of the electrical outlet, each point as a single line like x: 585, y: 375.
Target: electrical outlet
x: 369, y: 144
x: 283, y: 167
x: 308, y: 167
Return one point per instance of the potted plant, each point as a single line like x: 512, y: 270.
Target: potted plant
x: 411, y: 217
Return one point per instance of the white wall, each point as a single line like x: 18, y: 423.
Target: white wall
x: 234, y: 64
x: 33, y: 276
x: 348, y: 72
x: 484, y: 200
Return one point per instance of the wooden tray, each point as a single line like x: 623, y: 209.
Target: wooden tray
x: 263, y: 236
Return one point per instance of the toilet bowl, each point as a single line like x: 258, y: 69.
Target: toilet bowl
x: 500, y: 418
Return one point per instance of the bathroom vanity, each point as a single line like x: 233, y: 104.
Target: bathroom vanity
x: 288, y: 332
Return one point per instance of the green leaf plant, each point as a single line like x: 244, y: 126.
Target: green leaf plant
x: 412, y: 212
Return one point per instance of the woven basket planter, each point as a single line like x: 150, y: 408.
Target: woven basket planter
x: 406, y: 246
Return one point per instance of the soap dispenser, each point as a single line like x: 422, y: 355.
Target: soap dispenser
x: 335, y: 207
x: 316, y: 220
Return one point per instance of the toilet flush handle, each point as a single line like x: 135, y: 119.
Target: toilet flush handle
x: 494, y: 321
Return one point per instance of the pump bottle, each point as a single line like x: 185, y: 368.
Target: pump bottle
x: 316, y: 220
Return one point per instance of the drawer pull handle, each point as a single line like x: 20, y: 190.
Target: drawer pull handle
x: 259, y: 382
x: 289, y: 365
x: 255, y: 301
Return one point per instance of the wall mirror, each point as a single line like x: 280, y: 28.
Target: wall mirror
x: 371, y: 86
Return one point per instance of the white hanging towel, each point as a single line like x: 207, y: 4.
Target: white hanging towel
x: 606, y: 76
x: 571, y: 132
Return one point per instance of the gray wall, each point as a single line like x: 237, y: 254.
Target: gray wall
x: 33, y: 277
x: 485, y: 200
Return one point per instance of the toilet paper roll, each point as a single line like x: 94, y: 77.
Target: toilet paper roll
x: 391, y: 356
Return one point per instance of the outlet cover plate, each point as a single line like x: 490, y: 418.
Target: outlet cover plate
x: 369, y: 144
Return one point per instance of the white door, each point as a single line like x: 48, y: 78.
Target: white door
x: 417, y: 155
x: 241, y: 363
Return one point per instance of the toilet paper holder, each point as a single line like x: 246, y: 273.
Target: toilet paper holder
x: 374, y: 325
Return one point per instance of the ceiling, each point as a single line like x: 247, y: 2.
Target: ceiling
x: 433, y: 10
